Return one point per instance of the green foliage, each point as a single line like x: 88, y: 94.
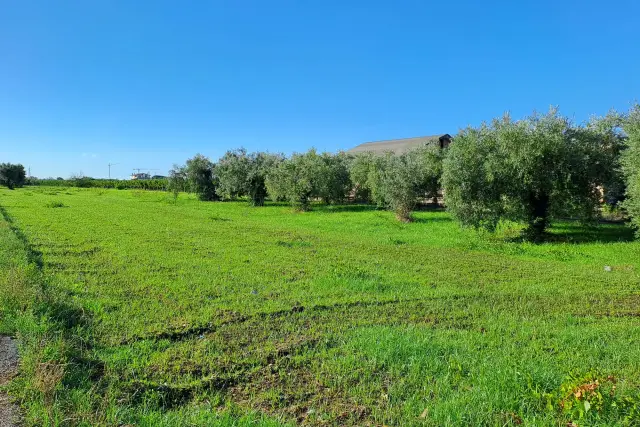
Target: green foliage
x: 365, y: 169
x: 55, y: 204
x: 308, y: 176
x: 532, y: 170
x: 11, y: 175
x: 32, y: 180
x: 177, y: 181
x: 398, y: 182
x: 612, y: 140
x: 590, y: 398
x: 83, y: 182
x: 232, y: 170
x: 334, y: 181
x: 244, y: 174
x: 428, y: 162
x: 631, y: 164
x: 200, y: 177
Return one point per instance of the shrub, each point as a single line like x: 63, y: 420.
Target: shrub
x: 631, y: 164
x: 591, y: 399
x: 12, y: 175
x: 530, y: 170
x: 55, y: 204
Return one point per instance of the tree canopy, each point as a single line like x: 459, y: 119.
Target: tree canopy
x: 398, y: 182
x: 197, y: 176
x: 307, y: 176
x: 244, y: 174
x: 631, y: 164
x: 12, y: 175
x: 532, y: 170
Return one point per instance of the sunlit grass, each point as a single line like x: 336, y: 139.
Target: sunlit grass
x: 341, y: 315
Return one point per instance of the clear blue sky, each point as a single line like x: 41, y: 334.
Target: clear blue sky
x: 150, y: 83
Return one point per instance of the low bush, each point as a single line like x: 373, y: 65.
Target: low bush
x: 55, y: 204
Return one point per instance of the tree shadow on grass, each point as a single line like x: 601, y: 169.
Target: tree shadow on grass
x: 576, y: 233
x: 432, y: 220
x: 34, y: 256
x: 607, y: 232
x: 431, y: 207
x: 345, y: 208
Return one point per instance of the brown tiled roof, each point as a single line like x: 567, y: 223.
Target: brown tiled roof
x: 397, y: 146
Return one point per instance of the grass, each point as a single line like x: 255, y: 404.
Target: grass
x: 193, y: 313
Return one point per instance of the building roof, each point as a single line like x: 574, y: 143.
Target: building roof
x: 397, y: 146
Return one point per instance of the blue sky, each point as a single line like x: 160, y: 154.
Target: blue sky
x: 146, y: 84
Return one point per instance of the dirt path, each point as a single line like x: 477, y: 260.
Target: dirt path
x: 8, y: 367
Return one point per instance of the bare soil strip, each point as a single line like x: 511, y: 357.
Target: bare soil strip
x: 8, y: 367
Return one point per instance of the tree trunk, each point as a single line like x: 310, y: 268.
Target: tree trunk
x: 539, y: 213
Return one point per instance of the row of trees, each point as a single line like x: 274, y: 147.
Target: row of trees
x: 531, y: 170
x: 394, y: 181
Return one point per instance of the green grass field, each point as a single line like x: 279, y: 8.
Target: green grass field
x: 195, y: 313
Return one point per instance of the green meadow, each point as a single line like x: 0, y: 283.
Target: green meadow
x: 137, y: 309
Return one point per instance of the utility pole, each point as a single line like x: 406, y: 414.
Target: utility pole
x: 111, y: 164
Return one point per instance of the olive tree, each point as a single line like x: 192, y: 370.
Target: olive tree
x: 365, y: 170
x: 612, y: 139
x: 198, y: 176
x: 530, y: 170
x: 631, y: 164
x: 12, y: 175
x: 244, y: 174
x: 399, y: 182
x: 334, y: 182
x: 297, y: 179
x: 407, y: 178
x: 177, y: 181
x: 428, y: 159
